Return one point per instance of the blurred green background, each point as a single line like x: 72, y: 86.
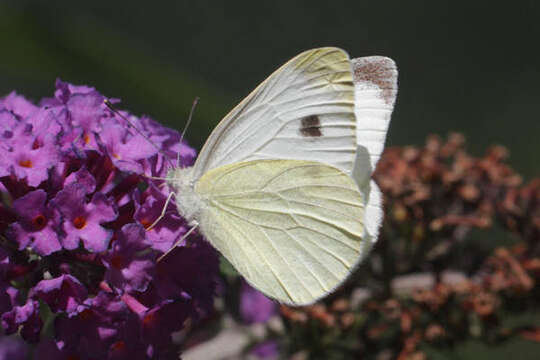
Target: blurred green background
x: 468, y: 66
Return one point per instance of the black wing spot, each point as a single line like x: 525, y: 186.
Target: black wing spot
x: 311, y: 126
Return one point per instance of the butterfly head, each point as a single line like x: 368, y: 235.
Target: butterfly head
x: 188, y: 202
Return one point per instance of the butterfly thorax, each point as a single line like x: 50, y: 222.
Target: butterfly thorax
x: 188, y: 201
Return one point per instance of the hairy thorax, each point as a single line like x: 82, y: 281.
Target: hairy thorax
x: 188, y: 201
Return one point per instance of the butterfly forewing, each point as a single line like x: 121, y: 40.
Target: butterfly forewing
x: 303, y: 111
x: 375, y: 82
x: 291, y: 228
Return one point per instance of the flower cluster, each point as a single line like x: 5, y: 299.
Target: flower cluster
x: 78, y: 269
x: 426, y: 311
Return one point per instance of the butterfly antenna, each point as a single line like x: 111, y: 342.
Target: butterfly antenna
x: 114, y: 110
x: 195, y: 102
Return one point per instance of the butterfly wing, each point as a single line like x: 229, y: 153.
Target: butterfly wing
x: 290, y: 227
x: 304, y: 111
x: 375, y: 87
x: 375, y: 90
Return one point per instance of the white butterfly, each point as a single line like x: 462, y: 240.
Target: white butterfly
x: 282, y: 187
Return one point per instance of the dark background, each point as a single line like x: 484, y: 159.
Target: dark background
x: 467, y: 66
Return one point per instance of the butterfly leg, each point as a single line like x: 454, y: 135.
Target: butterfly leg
x: 162, y: 212
x: 155, y: 177
x: 178, y: 242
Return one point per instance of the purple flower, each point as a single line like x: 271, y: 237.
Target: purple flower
x: 168, y: 141
x: 27, y: 318
x: 29, y: 146
x: 82, y: 178
x: 188, y: 272
x: 266, y: 350
x: 154, y: 326
x: 83, y: 221
x: 165, y: 318
x: 85, y: 109
x: 148, y: 207
x: 125, y: 149
x: 64, y: 293
x: 93, y: 328
x: 18, y: 105
x: 4, y: 263
x: 5, y: 299
x: 36, y: 227
x: 28, y: 157
x: 254, y: 306
x: 12, y: 348
x: 64, y: 91
x: 8, y: 122
x: 130, y: 263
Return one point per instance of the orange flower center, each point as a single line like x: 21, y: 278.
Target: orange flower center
x: 79, y: 222
x: 118, y: 346
x: 145, y: 223
x: 149, y: 319
x: 39, y: 221
x: 26, y: 163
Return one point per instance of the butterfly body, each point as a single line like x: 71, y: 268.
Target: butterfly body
x: 188, y: 202
x: 282, y: 187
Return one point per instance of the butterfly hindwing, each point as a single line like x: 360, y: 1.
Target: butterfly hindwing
x: 303, y: 111
x: 292, y: 228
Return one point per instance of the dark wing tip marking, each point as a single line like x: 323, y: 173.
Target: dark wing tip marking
x: 311, y: 126
x: 380, y: 71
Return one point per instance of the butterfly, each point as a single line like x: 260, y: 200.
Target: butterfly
x: 282, y: 187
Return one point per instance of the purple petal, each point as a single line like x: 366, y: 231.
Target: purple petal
x: 134, y: 275
x: 265, y: 350
x: 126, y: 149
x: 64, y: 293
x: 83, y: 178
x: 26, y: 317
x: 86, y: 110
x: 12, y: 348
x: 93, y: 328
x: 189, y: 272
x: 130, y: 264
x: 6, y: 303
x: 254, y: 306
x: 169, y: 228
x: 8, y: 122
x: 64, y: 90
x: 161, y: 321
x: 18, y: 105
x: 82, y: 222
x: 35, y: 227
